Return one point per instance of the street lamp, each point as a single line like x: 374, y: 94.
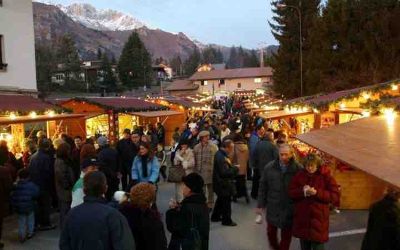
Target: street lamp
x: 297, y: 8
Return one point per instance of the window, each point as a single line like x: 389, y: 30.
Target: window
x: 204, y: 83
x: 257, y: 80
x: 3, y: 65
x: 239, y: 85
x: 221, y: 81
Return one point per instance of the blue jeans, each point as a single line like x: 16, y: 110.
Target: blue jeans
x: 26, y: 224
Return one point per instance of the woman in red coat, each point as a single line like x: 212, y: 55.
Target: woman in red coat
x: 312, y: 192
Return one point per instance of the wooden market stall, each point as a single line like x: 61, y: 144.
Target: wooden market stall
x: 179, y: 104
x: 369, y: 148
x: 170, y: 119
x: 22, y: 116
x: 292, y: 121
x: 109, y: 115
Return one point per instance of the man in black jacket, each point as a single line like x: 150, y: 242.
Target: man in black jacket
x: 264, y: 152
x: 223, y: 184
x: 192, y: 213
x: 127, y: 151
x: 41, y: 170
x: 94, y: 224
x: 383, y: 230
x: 108, y: 159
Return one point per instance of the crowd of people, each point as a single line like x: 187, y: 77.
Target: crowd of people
x: 106, y: 195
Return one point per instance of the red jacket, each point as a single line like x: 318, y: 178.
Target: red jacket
x: 311, y: 214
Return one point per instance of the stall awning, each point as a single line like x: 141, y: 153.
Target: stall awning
x: 40, y: 118
x: 279, y: 114
x: 369, y: 144
x: 152, y: 114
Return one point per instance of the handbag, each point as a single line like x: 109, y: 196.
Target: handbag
x: 176, y: 173
x: 192, y: 241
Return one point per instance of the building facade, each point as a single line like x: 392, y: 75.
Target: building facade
x: 230, y: 80
x: 17, y: 47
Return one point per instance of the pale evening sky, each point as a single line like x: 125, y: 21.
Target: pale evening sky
x: 225, y: 22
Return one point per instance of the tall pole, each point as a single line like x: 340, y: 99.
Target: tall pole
x: 298, y: 8
x: 301, y: 50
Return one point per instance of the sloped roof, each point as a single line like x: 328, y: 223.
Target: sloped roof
x: 23, y: 103
x: 123, y: 103
x: 369, y: 144
x: 181, y: 85
x: 232, y: 73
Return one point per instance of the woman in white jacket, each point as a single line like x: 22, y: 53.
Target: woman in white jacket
x: 184, y: 157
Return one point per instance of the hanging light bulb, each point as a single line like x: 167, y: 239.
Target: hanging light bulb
x: 33, y: 114
x: 13, y: 116
x: 51, y: 113
x: 366, y: 113
x: 342, y: 105
x: 366, y: 95
x: 395, y: 87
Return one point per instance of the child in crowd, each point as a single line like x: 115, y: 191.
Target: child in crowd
x: 23, y: 202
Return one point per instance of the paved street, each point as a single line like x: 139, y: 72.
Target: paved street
x: 247, y: 236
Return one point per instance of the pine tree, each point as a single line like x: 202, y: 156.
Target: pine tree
x: 177, y: 65
x: 192, y: 62
x: 99, y: 54
x: 251, y: 59
x: 233, y: 58
x: 68, y: 57
x: 285, y: 28
x: 45, y: 65
x: 135, y: 63
x: 220, y: 56
x: 210, y: 55
x: 109, y: 79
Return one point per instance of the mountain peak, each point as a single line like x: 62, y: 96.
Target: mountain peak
x: 101, y: 19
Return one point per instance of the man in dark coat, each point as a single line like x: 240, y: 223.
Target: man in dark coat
x: 383, y: 230
x: 94, y: 224
x: 274, y: 197
x: 127, y: 151
x: 192, y: 213
x: 264, y: 152
x: 41, y: 170
x: 255, y: 137
x: 160, y: 133
x: 108, y: 160
x: 223, y: 184
x: 5, y: 189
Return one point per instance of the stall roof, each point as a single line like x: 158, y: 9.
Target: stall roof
x: 23, y: 103
x: 369, y: 144
x: 127, y: 104
x: 184, y: 102
x: 334, y: 96
x: 151, y: 114
x: 278, y: 114
x: 39, y: 118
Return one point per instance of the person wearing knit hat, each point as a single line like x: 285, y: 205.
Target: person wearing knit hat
x: 194, y: 182
x: 145, y: 222
x: 102, y: 141
x: 191, y: 214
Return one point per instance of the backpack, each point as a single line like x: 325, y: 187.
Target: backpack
x: 193, y: 240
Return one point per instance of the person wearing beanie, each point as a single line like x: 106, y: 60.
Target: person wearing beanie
x: 192, y: 214
x: 87, y: 165
x: 145, y: 222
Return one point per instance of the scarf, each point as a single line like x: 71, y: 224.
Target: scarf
x: 144, y: 166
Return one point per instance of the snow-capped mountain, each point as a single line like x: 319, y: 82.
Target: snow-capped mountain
x: 99, y: 19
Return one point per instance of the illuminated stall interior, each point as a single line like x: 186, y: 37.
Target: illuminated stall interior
x: 23, y: 116
x: 109, y: 116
